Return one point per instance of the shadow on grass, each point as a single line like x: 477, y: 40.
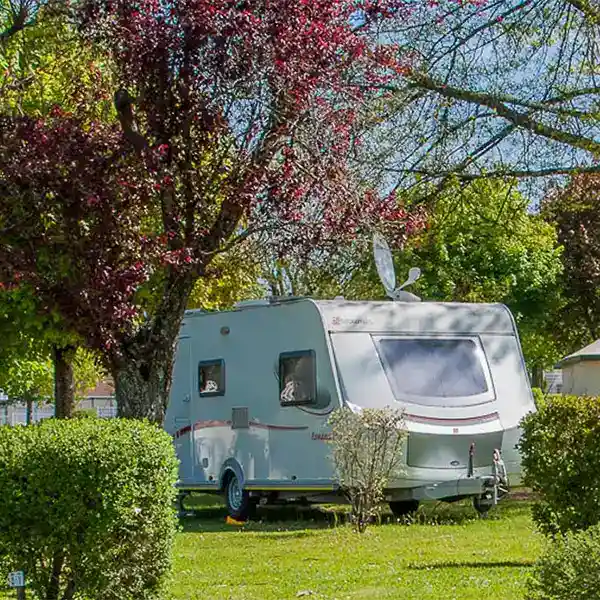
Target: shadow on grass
x: 207, y: 514
x: 502, y: 564
x: 267, y: 519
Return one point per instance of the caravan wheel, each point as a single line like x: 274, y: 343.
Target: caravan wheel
x: 482, y: 504
x: 404, y: 508
x: 237, y: 499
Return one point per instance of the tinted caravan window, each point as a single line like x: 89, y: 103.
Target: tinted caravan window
x: 211, y: 378
x: 436, y: 372
x: 297, y: 378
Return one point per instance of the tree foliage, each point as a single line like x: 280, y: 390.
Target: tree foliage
x: 44, y: 63
x: 233, y: 277
x: 494, y: 88
x: 233, y: 121
x: 574, y: 209
x: 30, y: 341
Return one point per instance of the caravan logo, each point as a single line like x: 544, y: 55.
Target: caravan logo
x: 349, y: 321
x: 323, y: 436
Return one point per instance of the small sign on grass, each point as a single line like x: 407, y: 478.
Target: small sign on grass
x: 16, y: 579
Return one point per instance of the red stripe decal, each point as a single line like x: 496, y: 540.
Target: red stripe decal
x: 280, y: 427
x: 208, y: 424
x: 460, y: 421
x: 182, y: 431
x: 212, y: 423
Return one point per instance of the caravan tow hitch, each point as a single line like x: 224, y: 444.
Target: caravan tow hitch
x: 494, y: 487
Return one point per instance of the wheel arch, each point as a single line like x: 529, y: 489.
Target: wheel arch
x: 230, y: 467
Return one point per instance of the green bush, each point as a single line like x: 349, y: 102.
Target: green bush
x: 569, y: 569
x: 85, y: 413
x: 538, y: 396
x: 86, y: 507
x: 560, y: 449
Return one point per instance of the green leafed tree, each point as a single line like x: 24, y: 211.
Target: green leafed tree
x: 27, y: 381
x: 39, y: 361
x: 29, y: 377
x: 44, y: 64
x: 234, y: 277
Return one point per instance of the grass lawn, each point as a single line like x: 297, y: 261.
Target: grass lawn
x: 447, y: 554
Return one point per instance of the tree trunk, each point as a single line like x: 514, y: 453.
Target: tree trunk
x: 142, y: 371
x: 537, y: 379
x: 28, y: 410
x: 141, y: 390
x: 64, y: 382
x: 53, y: 588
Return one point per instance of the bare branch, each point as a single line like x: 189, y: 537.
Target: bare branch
x: 508, y: 173
x: 21, y: 14
x: 517, y: 118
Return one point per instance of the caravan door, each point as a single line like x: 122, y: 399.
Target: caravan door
x: 180, y: 409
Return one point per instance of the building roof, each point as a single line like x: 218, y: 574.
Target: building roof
x: 591, y: 352
x: 103, y: 389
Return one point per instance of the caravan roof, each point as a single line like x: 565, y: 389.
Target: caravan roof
x: 386, y: 316
x: 416, y: 317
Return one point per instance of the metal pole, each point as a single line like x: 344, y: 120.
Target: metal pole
x: 21, y: 593
x: 471, y: 462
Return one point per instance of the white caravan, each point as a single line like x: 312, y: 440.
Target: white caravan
x: 253, y: 389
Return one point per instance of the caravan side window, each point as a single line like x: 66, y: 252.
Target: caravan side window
x: 297, y: 378
x: 211, y: 377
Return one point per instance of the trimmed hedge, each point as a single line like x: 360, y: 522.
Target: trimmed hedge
x: 568, y: 569
x: 86, y: 507
x: 560, y: 449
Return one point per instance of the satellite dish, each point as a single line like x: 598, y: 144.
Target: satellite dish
x: 385, y: 268
x: 385, y: 264
x: 413, y: 275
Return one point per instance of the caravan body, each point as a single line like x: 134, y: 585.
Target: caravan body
x: 456, y: 370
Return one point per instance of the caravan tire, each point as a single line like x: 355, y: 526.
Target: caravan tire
x: 237, y: 499
x: 404, y: 508
x: 483, y: 504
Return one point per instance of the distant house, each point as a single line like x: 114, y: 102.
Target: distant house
x: 101, y: 399
x: 581, y: 371
x: 553, y: 381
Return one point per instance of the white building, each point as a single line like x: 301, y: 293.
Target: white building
x: 581, y: 371
x: 101, y: 399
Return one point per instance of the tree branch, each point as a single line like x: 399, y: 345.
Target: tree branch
x: 124, y: 107
x: 517, y: 118
x: 517, y: 173
x: 591, y: 91
x: 21, y: 13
